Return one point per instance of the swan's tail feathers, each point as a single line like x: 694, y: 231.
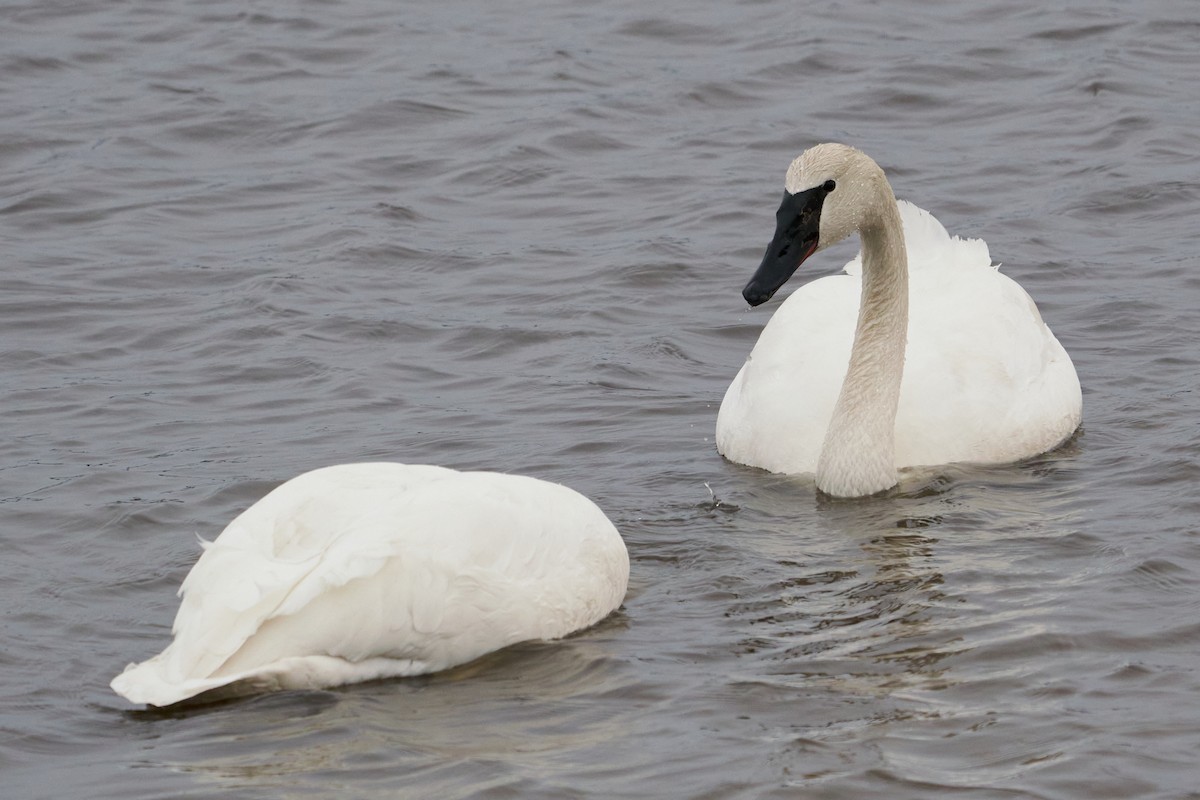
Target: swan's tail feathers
x: 146, y: 683
x: 151, y: 683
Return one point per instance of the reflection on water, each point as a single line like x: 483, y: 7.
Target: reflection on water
x: 878, y: 604
x: 430, y: 730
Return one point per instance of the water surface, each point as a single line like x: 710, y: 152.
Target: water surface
x: 245, y: 240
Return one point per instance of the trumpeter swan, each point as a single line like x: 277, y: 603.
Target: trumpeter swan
x: 922, y: 354
x: 363, y: 571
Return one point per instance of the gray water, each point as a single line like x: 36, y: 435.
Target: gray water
x: 245, y: 239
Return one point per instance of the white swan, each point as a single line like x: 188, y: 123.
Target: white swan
x: 364, y: 571
x: 830, y: 388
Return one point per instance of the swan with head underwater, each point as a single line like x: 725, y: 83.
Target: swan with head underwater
x: 364, y: 571
x: 922, y: 354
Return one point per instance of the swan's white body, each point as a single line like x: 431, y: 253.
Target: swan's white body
x: 364, y: 571
x: 983, y: 378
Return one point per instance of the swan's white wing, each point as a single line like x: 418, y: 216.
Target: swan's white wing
x: 985, y: 380
x: 317, y: 531
x: 776, y: 411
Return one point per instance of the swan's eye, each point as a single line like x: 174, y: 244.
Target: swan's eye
x: 829, y: 186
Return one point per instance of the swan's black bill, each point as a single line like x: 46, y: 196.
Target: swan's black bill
x: 797, y: 232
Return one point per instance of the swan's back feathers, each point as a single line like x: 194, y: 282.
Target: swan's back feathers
x: 375, y: 570
x: 930, y: 246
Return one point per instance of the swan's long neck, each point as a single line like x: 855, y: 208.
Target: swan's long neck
x: 858, y: 456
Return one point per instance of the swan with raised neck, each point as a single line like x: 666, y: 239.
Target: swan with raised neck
x: 974, y: 324
x: 851, y: 194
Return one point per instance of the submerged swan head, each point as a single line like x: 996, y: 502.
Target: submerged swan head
x: 831, y: 191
